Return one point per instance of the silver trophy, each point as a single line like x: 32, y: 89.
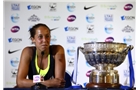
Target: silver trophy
x: 104, y: 56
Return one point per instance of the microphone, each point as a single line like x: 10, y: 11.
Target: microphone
x: 38, y: 85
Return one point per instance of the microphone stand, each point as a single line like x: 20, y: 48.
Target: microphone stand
x: 39, y: 86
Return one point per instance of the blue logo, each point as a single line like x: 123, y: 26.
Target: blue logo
x: 15, y: 18
x: 70, y: 28
x: 10, y: 40
x: 29, y: 7
x: 71, y: 7
x: 90, y: 18
x: 127, y: 39
x: 123, y: 17
x: 34, y: 7
x: 126, y: 73
x: 71, y: 51
x: 66, y: 28
x: 71, y: 39
x: 15, y: 6
x: 108, y: 29
x: 14, y: 62
x: 14, y: 40
x: 108, y: 17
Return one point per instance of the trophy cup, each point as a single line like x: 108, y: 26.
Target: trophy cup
x: 104, y: 56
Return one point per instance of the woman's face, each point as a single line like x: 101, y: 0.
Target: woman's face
x: 42, y: 38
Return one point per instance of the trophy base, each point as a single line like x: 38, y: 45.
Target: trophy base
x: 102, y: 85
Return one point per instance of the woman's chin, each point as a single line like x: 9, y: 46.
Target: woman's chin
x: 44, y: 48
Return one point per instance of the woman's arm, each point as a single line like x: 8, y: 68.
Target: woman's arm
x: 23, y: 68
x: 59, y: 56
x: 60, y: 64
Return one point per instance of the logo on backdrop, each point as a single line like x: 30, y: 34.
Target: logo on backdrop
x: 90, y: 18
x: 109, y: 7
x: 89, y: 7
x: 53, y: 18
x: 70, y: 28
x: 71, y: 7
x: 34, y: 18
x: 86, y: 39
x: 14, y: 40
x: 90, y: 28
x: 52, y: 7
x: 126, y: 73
x: 109, y: 39
x: 13, y: 51
x: 127, y: 39
x: 71, y: 18
x: 108, y: 29
x: 14, y: 62
x: 108, y: 17
x: 127, y: 18
x: 128, y: 7
x: 15, y: 6
x: 14, y: 73
x: 33, y: 7
x: 71, y: 39
x: 128, y: 29
x: 71, y: 51
x: 70, y: 62
x: 15, y: 29
x: 88, y: 73
x: 15, y: 18
x: 53, y: 39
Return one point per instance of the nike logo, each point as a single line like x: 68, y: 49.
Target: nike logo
x: 10, y: 52
x: 53, y: 29
x: 86, y: 8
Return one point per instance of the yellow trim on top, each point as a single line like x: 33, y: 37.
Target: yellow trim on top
x: 45, y: 71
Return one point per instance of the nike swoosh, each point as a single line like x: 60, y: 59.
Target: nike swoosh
x: 10, y: 52
x: 86, y: 8
x: 53, y: 29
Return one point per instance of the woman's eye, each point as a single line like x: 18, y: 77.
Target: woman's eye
x: 47, y: 36
x: 39, y: 37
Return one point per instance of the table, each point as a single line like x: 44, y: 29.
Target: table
x: 67, y: 89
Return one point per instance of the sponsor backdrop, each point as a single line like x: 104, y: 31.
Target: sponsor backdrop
x: 72, y: 24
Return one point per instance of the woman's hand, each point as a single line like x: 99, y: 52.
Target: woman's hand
x: 57, y: 82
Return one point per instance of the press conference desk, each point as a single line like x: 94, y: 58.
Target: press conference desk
x: 66, y: 89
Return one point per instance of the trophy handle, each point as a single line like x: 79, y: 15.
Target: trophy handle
x: 81, y: 49
x: 130, y: 47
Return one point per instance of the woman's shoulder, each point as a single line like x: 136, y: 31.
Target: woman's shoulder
x: 29, y: 49
x: 55, y: 47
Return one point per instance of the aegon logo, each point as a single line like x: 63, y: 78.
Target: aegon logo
x: 71, y: 28
x: 127, y: 17
x: 14, y: 40
x: 15, y: 29
x: 71, y: 18
x: 35, y: 7
x: 128, y: 7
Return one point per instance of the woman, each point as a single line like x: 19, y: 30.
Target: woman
x: 50, y: 65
